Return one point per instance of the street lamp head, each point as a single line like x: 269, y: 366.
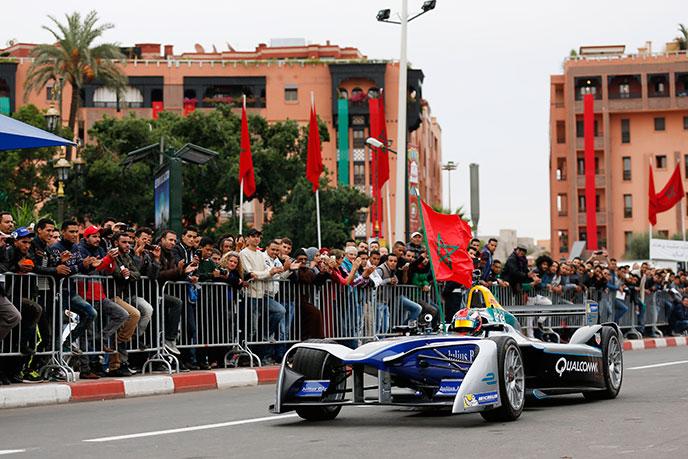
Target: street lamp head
x: 78, y: 164
x: 373, y: 142
x: 383, y: 15
x: 51, y: 117
x: 62, y: 167
x: 428, y: 5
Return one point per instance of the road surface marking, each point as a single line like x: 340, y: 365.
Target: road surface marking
x: 190, y: 429
x: 657, y: 365
x: 11, y: 451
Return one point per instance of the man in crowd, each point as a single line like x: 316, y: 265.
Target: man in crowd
x: 416, y: 244
x: 487, y: 256
x: 385, y: 275
x: 23, y: 291
x: 678, y: 320
x: 171, y: 270
x: 264, y: 310
x: 516, y: 271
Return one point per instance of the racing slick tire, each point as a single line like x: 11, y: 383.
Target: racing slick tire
x: 321, y: 365
x: 512, y: 382
x: 612, y: 366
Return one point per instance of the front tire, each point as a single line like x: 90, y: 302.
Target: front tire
x: 512, y: 382
x: 612, y: 366
x: 315, y: 364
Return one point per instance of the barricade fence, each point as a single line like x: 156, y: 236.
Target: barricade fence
x: 100, y: 317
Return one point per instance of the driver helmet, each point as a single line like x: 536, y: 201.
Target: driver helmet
x: 466, y: 322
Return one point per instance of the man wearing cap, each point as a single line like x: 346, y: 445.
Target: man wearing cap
x: 95, y: 291
x: 22, y: 290
x: 416, y: 244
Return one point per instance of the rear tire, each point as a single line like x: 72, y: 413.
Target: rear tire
x: 320, y: 365
x: 612, y: 366
x: 512, y: 388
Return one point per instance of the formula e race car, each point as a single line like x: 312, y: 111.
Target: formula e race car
x: 480, y: 363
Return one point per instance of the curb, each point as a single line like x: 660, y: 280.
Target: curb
x: 136, y: 386
x: 654, y: 343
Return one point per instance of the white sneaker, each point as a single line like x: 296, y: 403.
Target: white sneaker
x: 171, y: 347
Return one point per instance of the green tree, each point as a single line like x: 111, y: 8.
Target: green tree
x: 27, y: 173
x: 76, y: 58
x: 297, y: 218
x: 682, y: 39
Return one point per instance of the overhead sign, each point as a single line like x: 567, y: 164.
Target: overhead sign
x: 667, y: 249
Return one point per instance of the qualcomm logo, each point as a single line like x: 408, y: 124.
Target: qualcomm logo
x: 563, y: 365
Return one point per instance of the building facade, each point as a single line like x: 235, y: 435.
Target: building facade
x: 641, y: 118
x: 279, y: 82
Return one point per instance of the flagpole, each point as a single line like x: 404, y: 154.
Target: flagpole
x: 241, y: 206
x: 389, y: 217
x: 317, y: 190
x: 432, y: 266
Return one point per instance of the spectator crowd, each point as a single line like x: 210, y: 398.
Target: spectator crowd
x: 275, y: 283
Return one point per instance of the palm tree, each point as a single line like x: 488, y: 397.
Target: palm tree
x: 75, y: 59
x: 682, y: 41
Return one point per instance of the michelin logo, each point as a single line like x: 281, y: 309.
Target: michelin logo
x: 484, y: 398
x: 563, y: 365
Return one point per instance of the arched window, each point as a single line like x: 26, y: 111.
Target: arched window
x: 343, y: 93
x: 357, y: 95
x: 373, y: 93
x: 4, y: 97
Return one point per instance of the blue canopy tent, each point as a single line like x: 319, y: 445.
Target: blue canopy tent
x: 15, y: 135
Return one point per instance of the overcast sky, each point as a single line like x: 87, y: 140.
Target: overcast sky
x: 486, y: 65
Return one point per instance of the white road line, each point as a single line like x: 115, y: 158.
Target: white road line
x: 11, y: 451
x: 657, y: 365
x: 190, y: 429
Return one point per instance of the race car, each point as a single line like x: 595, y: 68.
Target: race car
x: 480, y: 363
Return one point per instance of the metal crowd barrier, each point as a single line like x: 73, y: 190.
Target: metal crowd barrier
x: 209, y: 318
x: 35, y: 298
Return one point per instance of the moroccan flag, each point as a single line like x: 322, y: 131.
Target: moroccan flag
x: 448, y: 237
x: 245, y: 159
x: 383, y: 156
x: 314, y: 165
x: 671, y: 194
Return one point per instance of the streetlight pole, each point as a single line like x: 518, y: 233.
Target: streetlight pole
x: 402, y: 161
x: 449, y: 167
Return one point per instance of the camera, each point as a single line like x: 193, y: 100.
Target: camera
x: 150, y: 247
x: 223, y: 272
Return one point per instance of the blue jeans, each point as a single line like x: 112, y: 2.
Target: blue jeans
x: 275, y: 317
x: 411, y: 307
x: 680, y: 326
x: 620, y: 309
x: 382, y: 318
x: 86, y: 312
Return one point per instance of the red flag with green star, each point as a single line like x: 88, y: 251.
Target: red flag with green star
x: 447, y: 237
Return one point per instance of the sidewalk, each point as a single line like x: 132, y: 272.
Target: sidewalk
x: 21, y: 395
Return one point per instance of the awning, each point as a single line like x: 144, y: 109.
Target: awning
x: 15, y: 135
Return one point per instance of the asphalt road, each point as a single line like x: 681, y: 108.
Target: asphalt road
x: 648, y: 419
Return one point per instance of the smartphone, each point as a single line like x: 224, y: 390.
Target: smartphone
x: 150, y: 247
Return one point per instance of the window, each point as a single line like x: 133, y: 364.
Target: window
x: 661, y: 161
x: 580, y: 166
x: 628, y: 206
x: 359, y: 173
x: 685, y: 165
x: 627, y: 240
x: 580, y: 129
x: 581, y: 203
x: 562, y: 205
x: 624, y: 91
x: 359, y: 138
x: 659, y: 123
x: 582, y: 235
x: 561, y: 169
x: 625, y: 131
x: 626, y: 167
x: 563, y: 237
x: 685, y: 122
x: 663, y: 234
x: 561, y: 132
x: 291, y: 94
x: 50, y: 93
x: 597, y: 202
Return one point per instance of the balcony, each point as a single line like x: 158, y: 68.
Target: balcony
x: 600, y: 181
x: 601, y: 218
x: 599, y: 143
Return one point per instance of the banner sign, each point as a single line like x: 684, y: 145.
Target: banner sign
x: 162, y: 200
x: 667, y: 249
